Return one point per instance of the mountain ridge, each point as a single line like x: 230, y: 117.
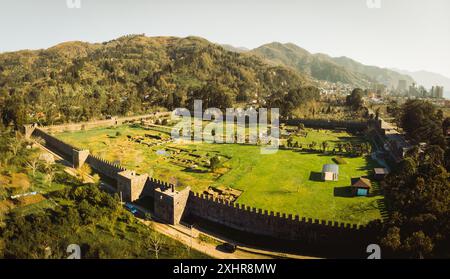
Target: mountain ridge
x: 324, y: 67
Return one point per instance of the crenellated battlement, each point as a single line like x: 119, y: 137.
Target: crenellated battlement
x: 329, y: 124
x: 204, y: 204
x: 71, y: 127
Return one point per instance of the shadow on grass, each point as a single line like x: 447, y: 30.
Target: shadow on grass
x: 279, y: 192
x: 354, y: 139
x: 191, y: 170
x: 315, y: 176
x: 369, y: 166
x: 343, y: 192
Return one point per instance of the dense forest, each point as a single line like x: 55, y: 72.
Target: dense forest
x: 66, y: 209
x: 77, y: 81
x: 417, y: 192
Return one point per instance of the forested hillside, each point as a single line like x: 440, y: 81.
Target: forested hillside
x: 77, y: 81
x: 384, y: 76
x: 323, y: 67
x: 304, y: 62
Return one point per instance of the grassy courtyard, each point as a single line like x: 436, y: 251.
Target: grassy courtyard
x: 329, y: 136
x: 285, y: 182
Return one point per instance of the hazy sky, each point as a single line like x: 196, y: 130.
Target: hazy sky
x: 407, y: 34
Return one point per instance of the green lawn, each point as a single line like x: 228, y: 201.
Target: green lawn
x: 321, y: 135
x: 282, y: 182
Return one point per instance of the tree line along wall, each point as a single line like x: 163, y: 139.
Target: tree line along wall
x: 233, y: 215
x: 71, y: 127
x: 329, y: 124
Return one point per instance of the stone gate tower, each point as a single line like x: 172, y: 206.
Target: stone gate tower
x: 130, y: 185
x: 169, y: 205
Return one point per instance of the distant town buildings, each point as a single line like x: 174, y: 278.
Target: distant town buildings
x: 437, y: 92
x: 377, y: 91
x: 334, y: 88
x: 416, y: 91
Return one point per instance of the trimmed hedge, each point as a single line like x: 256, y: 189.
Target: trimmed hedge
x: 339, y: 161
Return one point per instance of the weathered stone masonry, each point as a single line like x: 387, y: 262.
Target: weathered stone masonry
x: 79, y: 157
x: 171, y: 205
x: 131, y: 184
x: 275, y: 224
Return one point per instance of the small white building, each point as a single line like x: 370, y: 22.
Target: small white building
x: 330, y: 172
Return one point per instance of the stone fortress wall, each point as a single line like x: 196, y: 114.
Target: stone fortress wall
x: 171, y: 205
x: 329, y: 124
x: 68, y: 127
x: 273, y: 224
